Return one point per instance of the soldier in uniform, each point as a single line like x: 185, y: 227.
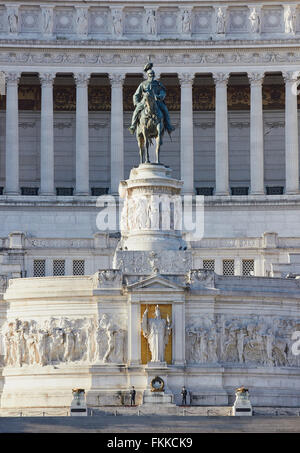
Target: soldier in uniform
x: 183, y: 395
x: 132, y: 396
x: 158, y: 91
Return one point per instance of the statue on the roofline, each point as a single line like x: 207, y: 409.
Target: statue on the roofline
x: 151, y: 117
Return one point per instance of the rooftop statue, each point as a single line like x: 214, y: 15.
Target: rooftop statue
x: 151, y: 117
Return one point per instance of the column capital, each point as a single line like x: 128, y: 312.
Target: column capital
x: 186, y: 78
x: 12, y: 77
x: 47, y: 78
x: 290, y: 76
x: 117, y: 78
x: 81, y: 78
x: 256, y: 78
x: 221, y: 78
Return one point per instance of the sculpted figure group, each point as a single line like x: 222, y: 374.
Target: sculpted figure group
x: 245, y: 341
x: 152, y: 212
x: 63, y: 340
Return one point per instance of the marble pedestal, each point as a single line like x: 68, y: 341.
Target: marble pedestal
x: 152, y: 212
x: 242, y: 406
x: 157, y: 398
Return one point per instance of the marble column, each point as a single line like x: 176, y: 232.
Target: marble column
x: 221, y: 134
x: 256, y: 134
x: 12, y: 135
x: 187, y: 132
x: 117, y: 133
x: 82, y: 134
x: 47, y: 136
x: 291, y: 133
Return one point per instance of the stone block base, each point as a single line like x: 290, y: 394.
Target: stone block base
x: 158, y: 398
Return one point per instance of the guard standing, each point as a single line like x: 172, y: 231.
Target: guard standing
x: 183, y: 395
x: 132, y: 396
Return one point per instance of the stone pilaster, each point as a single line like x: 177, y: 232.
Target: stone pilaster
x: 221, y: 134
x: 82, y: 134
x: 12, y: 134
x: 291, y: 133
x: 178, y: 321
x: 256, y: 134
x: 134, y: 334
x: 187, y: 132
x: 47, y: 136
x: 117, y: 136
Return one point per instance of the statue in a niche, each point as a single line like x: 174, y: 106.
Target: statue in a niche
x: 156, y: 331
x: 151, y: 116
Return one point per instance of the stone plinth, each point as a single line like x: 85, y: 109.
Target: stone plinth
x: 242, y: 405
x: 152, y: 213
x: 157, y: 398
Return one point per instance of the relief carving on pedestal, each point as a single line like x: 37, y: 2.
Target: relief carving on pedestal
x: 63, y: 340
x: 261, y: 341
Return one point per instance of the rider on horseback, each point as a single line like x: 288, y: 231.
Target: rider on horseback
x: 157, y: 90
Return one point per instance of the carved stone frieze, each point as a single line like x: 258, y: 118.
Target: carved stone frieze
x: 181, y: 22
x: 253, y: 340
x: 165, y: 262
x: 63, y: 340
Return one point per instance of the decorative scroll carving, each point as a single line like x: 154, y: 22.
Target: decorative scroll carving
x: 201, y: 277
x: 263, y: 341
x: 63, y: 340
x: 110, y: 278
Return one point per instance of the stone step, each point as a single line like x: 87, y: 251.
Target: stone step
x: 204, y: 411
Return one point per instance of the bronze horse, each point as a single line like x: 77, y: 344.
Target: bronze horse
x: 150, y: 126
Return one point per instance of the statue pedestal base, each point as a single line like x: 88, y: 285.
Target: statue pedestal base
x: 242, y: 405
x: 158, y: 398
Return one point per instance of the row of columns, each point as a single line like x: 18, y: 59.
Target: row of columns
x: 186, y: 131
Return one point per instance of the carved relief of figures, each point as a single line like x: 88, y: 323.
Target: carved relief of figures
x: 12, y: 19
x: 63, y: 341
x: 177, y: 212
x: 143, y: 212
x: 117, y: 22
x: 186, y: 23
x: 264, y: 343
x: 151, y: 22
x: 47, y: 15
x: 254, y: 19
x: 221, y: 21
x: 82, y: 21
x: 115, y: 340
x: 289, y: 20
x: 153, y: 212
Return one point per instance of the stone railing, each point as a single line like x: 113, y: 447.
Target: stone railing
x: 134, y: 21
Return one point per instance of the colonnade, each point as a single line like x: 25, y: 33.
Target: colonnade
x: 186, y: 129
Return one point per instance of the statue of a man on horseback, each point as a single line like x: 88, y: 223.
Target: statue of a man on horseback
x: 151, y: 117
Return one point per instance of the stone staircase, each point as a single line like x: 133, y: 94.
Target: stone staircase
x: 202, y: 411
